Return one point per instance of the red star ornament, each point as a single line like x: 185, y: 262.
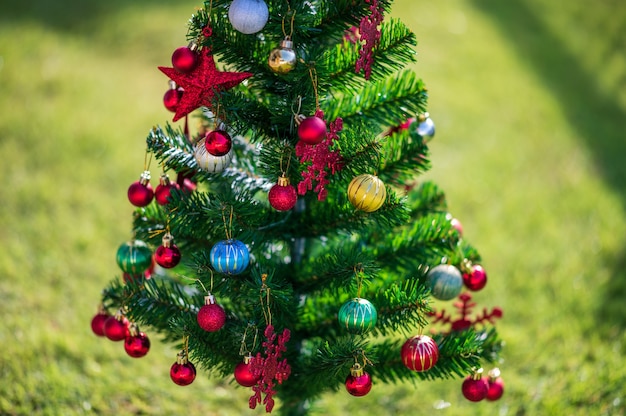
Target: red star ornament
x: 201, y: 84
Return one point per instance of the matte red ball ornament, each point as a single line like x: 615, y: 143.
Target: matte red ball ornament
x: 495, y: 385
x: 164, y: 190
x: 182, y: 371
x: 476, y: 278
x: 211, y: 316
x: 218, y: 142
x: 420, y: 353
x: 283, y: 195
x: 97, y: 322
x: 116, y: 327
x: 312, y: 130
x: 167, y: 255
x: 243, y: 373
x: 358, y: 382
x: 140, y: 193
x: 185, y: 58
x: 172, y: 97
x: 475, y: 387
x: 136, y: 344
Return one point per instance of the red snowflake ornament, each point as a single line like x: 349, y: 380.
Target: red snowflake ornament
x: 369, y: 34
x: 270, y: 369
x: 322, y: 160
x: 201, y: 84
x: 464, y: 321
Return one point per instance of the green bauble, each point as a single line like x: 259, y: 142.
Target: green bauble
x: 134, y: 257
x: 445, y: 281
x: 357, y: 315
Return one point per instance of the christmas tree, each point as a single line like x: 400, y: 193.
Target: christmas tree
x: 297, y: 249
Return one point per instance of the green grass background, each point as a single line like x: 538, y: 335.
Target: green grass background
x: 529, y: 99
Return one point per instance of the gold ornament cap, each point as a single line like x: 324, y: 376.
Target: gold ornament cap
x: 144, y: 178
x: 283, y: 180
x: 356, y: 370
x: 167, y: 240
x: 477, y: 374
x: 209, y: 299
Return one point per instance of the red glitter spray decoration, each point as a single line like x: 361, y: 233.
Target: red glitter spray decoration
x: 370, y: 34
x: 464, y: 307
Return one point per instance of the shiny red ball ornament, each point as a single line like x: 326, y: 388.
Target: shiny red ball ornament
x: 182, y: 371
x: 136, y: 344
x: 358, y: 382
x: 140, y: 193
x: 97, y: 322
x: 476, y: 278
x: 116, y: 327
x: 185, y: 58
x: 312, y: 130
x: 164, y: 189
x: 172, y: 97
x: 420, y: 353
x: 243, y: 373
x: 167, y: 255
x: 495, y: 385
x: 211, y: 316
x: 283, y: 195
x: 475, y: 387
x: 218, y: 142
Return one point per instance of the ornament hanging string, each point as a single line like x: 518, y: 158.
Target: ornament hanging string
x: 147, y: 159
x: 285, y: 154
x: 291, y: 23
x: 313, y: 75
x: 265, y: 304
x: 243, y: 349
x: 358, y: 272
x: 228, y: 227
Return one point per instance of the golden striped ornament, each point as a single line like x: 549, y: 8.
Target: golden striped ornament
x: 367, y: 192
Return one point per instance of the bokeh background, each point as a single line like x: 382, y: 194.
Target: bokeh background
x: 529, y: 100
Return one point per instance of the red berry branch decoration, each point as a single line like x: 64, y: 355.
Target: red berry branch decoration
x: 370, y: 33
x: 464, y: 307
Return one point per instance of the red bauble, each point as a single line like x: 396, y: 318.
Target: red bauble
x: 164, y: 189
x: 97, y: 323
x: 116, y: 328
x: 218, y: 142
x: 420, y: 353
x: 495, y: 384
x: 476, y: 278
x: 211, y: 316
x: 137, y: 345
x: 243, y: 373
x: 283, y: 195
x: 183, y: 373
x: 167, y: 257
x: 185, y: 59
x: 172, y: 98
x: 475, y: 388
x: 140, y: 193
x: 312, y: 130
x: 358, y: 382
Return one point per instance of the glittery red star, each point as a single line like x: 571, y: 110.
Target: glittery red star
x: 201, y: 84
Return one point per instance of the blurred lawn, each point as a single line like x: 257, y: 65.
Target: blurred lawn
x: 529, y: 98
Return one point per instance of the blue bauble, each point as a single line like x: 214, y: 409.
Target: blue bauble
x: 357, y: 315
x: 445, y: 281
x: 230, y: 256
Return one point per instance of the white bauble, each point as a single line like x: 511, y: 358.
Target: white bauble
x: 208, y: 162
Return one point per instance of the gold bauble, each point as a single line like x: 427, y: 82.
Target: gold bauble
x: 367, y: 192
x: 283, y: 59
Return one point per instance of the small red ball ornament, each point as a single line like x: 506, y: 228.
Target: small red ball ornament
x: 211, y: 316
x: 312, y: 130
x: 420, y: 353
x: 97, y: 322
x: 495, y: 385
x: 172, y: 97
x: 116, y: 327
x: 136, y: 344
x: 358, y: 382
x: 243, y: 373
x: 474, y: 387
x: 140, y: 193
x: 163, y: 190
x: 182, y: 371
x: 218, y: 142
x: 185, y: 58
x: 167, y: 255
x: 475, y: 278
x: 283, y: 195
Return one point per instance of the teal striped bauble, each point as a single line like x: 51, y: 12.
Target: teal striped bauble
x: 230, y: 256
x: 445, y: 281
x: 357, y: 315
x: 134, y: 257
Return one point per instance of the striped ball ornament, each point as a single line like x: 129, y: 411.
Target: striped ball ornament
x: 420, y: 353
x: 357, y: 315
x: 134, y: 257
x: 367, y: 192
x: 445, y: 281
x: 208, y: 162
x: 230, y: 256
